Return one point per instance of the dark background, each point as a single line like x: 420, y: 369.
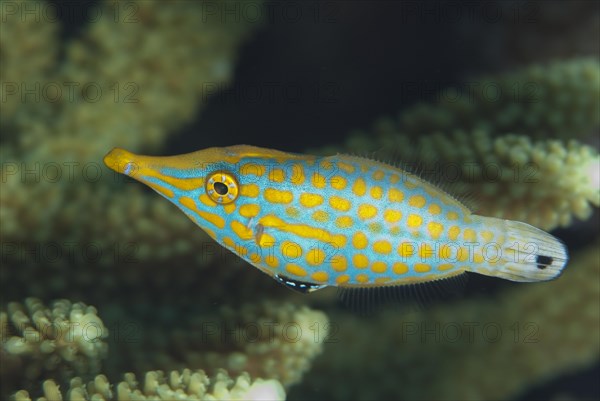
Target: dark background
x: 317, y: 70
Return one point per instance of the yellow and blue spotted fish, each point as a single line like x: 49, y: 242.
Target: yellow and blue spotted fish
x: 344, y: 221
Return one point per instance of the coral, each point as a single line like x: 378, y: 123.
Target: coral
x: 27, y: 60
x: 487, y: 148
x: 56, y: 341
x: 525, y: 334
x: 542, y: 182
x: 556, y: 100
x: 270, y: 340
x: 187, y: 384
x: 54, y: 185
x: 72, y: 214
x: 531, y: 32
x: 138, y: 108
x: 156, y: 94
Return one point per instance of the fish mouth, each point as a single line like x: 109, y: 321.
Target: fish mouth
x: 120, y: 161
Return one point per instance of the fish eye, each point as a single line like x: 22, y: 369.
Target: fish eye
x: 222, y: 187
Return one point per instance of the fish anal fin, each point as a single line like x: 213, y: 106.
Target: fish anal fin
x: 367, y: 301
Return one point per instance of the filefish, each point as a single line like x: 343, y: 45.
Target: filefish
x: 344, y: 221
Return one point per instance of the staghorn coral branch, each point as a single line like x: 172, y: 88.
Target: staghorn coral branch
x: 276, y: 341
x: 186, y: 384
x: 544, y: 183
x: 268, y: 339
x: 556, y: 100
x: 482, y: 348
x: 554, y: 30
x: 29, y: 49
x: 170, y: 77
x: 58, y: 340
x: 120, y: 67
x: 168, y: 90
x: 484, y: 149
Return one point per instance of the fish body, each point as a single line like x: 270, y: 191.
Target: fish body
x: 345, y: 221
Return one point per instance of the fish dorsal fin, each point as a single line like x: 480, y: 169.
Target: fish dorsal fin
x: 302, y: 287
x: 410, y: 172
x: 366, y: 301
x: 456, y: 190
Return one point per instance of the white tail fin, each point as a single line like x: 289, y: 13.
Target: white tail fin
x: 529, y: 254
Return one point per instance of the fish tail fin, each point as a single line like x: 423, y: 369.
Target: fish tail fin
x: 528, y: 254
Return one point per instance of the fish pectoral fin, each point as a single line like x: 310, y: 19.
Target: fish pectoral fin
x: 302, y: 287
x: 259, y: 230
x: 366, y: 301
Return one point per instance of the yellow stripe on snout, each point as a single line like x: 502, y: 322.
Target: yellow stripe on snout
x: 210, y: 217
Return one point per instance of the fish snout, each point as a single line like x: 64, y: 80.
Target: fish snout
x: 121, y: 161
